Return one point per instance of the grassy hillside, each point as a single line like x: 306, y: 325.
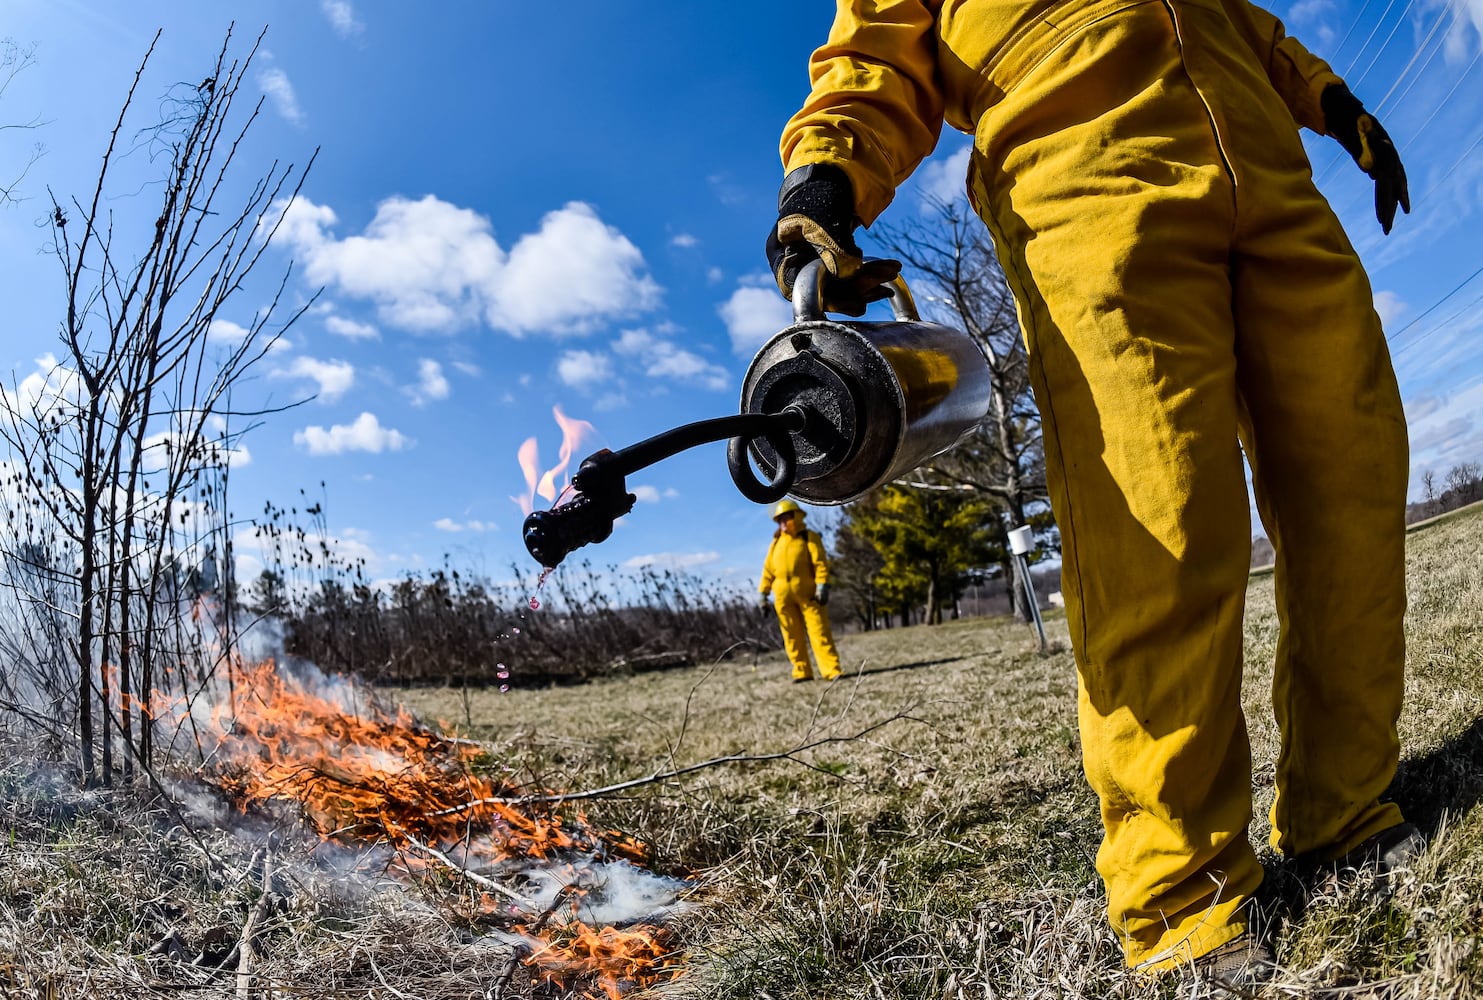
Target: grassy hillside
x: 947, y: 852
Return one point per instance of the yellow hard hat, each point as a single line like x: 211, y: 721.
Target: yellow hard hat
x: 786, y: 507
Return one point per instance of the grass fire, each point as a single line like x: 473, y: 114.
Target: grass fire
x: 432, y: 809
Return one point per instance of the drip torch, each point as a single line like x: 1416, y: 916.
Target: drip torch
x: 829, y: 410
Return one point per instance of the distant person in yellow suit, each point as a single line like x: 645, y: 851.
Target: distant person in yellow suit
x: 795, y: 577
x: 1181, y: 285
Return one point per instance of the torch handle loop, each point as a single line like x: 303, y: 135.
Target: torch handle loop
x: 808, y: 296
x: 747, y: 481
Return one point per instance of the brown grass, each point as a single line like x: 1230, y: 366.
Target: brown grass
x: 951, y: 854
x: 948, y: 855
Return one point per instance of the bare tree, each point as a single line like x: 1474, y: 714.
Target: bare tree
x: 958, y: 281
x: 1429, y: 492
x: 14, y: 59
x: 1465, y: 483
x: 122, y: 451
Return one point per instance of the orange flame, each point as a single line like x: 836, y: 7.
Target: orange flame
x: 573, y: 432
x: 365, y: 774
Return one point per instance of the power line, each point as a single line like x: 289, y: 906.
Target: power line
x: 1350, y: 68
x: 1353, y: 23
x: 1439, y: 107
x: 1425, y: 43
x: 1440, y: 326
x: 1383, y: 45
x: 1460, y: 286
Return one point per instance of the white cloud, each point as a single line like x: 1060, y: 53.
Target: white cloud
x: 672, y: 560
x: 660, y: 358
x: 646, y: 494
x: 333, y: 377
x: 341, y: 16
x: 468, y: 368
x: 714, y: 275
x: 943, y: 180
x: 681, y: 364
x: 610, y: 401
x: 431, y: 383
x: 684, y: 240
x: 366, y: 434
x: 454, y: 527
x: 754, y: 315
x: 225, y: 331
x: 1445, y: 429
x: 280, y: 91
x: 573, y: 272
x: 1390, y: 306
x: 578, y: 368
x: 422, y: 263
x: 1461, y: 41
x: 430, y: 265
x: 350, y: 329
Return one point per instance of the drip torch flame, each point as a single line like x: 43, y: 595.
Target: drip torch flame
x: 537, y: 483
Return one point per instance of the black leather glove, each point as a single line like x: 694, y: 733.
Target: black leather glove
x: 1362, y: 137
x: 823, y: 593
x: 816, y: 220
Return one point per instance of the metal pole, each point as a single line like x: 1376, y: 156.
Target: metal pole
x: 1022, y: 541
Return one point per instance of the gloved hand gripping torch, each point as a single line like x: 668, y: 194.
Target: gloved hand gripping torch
x: 829, y: 410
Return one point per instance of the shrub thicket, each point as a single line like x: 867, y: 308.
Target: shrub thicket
x: 452, y: 629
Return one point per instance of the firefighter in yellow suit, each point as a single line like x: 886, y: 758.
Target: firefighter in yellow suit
x: 796, y: 576
x: 1182, y: 286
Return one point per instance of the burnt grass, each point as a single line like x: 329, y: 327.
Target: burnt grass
x: 918, y: 829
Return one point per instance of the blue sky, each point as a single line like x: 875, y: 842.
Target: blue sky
x: 516, y: 207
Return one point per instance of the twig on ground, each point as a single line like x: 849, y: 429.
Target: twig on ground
x: 246, y: 951
x: 741, y: 758
x: 474, y: 877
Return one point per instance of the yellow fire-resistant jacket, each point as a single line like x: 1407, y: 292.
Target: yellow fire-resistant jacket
x: 795, y: 565
x: 1180, y: 282
x: 920, y: 62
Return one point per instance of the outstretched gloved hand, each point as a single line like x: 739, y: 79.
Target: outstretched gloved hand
x: 766, y: 598
x: 816, y: 221
x: 823, y: 593
x: 1364, y: 139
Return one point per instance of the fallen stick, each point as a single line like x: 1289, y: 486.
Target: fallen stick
x: 740, y: 758
x: 246, y: 952
x: 474, y: 877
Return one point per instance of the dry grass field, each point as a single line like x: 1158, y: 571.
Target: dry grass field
x: 936, y: 838
x: 918, y: 829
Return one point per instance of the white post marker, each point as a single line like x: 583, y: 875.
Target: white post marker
x: 1022, y: 542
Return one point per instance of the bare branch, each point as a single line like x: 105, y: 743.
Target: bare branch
x: 658, y: 776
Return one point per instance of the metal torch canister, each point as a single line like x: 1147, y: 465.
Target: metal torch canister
x: 881, y: 397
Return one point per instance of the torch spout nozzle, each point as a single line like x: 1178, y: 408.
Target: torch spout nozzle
x: 601, y: 496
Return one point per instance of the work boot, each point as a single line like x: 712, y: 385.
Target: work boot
x: 1240, y: 967
x: 804, y: 679
x: 1392, y: 850
x: 1381, y: 858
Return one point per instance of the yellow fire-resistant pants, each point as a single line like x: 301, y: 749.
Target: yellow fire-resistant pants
x: 1181, y: 283
x: 803, y: 619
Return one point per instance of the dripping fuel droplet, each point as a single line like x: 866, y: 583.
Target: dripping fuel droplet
x: 504, y: 688
x: 515, y: 629
x: 534, y: 604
